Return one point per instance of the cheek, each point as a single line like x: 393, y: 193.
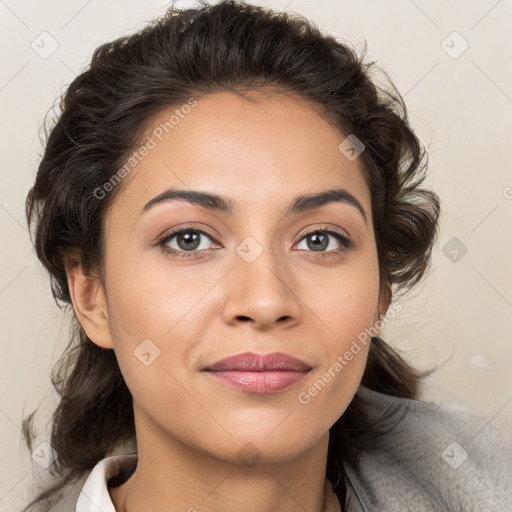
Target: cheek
x: 348, y: 307
x: 150, y: 299
x: 155, y: 322
x: 348, y: 302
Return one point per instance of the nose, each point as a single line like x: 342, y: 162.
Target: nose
x: 261, y: 293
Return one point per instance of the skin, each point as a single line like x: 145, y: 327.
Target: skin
x: 190, y: 427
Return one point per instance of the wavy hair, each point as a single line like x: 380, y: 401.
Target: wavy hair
x: 103, y: 113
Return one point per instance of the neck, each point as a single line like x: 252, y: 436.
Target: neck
x: 171, y: 477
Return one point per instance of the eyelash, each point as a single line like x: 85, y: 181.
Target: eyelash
x: 345, y: 242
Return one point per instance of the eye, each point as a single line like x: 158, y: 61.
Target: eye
x: 318, y: 241
x: 187, y: 240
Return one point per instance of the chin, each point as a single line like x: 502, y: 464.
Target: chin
x: 250, y: 450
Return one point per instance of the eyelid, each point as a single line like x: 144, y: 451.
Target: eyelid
x: 186, y: 227
x: 327, y: 228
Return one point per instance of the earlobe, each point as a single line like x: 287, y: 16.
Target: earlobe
x: 89, y: 303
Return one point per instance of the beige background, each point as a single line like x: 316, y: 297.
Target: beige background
x: 461, y: 107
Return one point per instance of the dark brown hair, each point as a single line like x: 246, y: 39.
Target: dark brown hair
x: 103, y: 114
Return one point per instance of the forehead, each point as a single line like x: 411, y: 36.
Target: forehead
x: 257, y: 149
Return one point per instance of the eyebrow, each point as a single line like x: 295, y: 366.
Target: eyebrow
x: 214, y: 202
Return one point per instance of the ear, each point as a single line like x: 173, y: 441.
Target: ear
x: 384, y: 298
x: 89, y: 302
x: 383, y: 302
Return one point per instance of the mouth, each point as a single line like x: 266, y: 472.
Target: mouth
x: 256, y: 373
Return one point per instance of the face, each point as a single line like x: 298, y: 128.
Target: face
x: 258, y: 277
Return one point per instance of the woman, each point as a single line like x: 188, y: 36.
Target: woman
x: 232, y: 208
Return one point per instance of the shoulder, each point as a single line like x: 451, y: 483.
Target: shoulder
x: 433, y: 457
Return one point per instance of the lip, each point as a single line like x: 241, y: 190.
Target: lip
x: 250, y: 361
x: 257, y: 373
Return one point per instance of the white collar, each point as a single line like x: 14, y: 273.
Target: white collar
x: 94, y: 495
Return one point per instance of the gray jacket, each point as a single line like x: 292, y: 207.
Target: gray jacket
x: 436, y: 459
